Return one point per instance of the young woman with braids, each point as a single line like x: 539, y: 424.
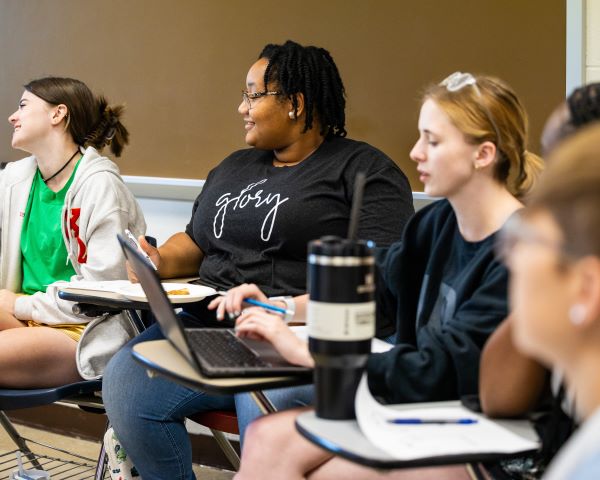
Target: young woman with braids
x: 251, y: 223
x: 60, y: 211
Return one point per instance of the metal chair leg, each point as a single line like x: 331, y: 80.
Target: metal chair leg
x: 227, y: 448
x: 18, y: 439
x: 264, y: 404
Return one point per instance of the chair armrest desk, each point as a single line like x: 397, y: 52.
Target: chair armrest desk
x: 344, y: 438
x: 160, y: 357
x: 110, y: 300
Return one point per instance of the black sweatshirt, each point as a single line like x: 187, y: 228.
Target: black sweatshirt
x: 448, y: 295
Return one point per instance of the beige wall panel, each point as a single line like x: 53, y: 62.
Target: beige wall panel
x: 179, y: 65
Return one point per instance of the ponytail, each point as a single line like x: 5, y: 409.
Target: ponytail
x: 531, y: 166
x: 90, y: 120
x: 109, y: 130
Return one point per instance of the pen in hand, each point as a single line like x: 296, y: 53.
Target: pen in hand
x: 432, y: 421
x: 266, y: 306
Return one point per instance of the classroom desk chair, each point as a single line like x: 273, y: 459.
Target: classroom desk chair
x: 84, y: 394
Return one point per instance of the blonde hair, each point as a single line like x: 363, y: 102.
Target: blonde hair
x: 570, y: 190
x: 486, y: 111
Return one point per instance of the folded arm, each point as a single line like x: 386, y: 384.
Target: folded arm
x: 510, y: 384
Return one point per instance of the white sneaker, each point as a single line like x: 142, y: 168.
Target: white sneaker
x: 119, y: 464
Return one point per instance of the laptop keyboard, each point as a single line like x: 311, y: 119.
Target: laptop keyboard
x: 219, y: 348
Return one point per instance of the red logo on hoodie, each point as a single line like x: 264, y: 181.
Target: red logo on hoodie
x: 74, y: 231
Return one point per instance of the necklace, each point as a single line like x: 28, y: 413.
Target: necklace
x: 46, y: 180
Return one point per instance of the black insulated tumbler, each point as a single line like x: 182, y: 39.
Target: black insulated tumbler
x: 341, y: 320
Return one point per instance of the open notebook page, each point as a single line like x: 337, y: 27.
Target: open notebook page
x: 410, y: 442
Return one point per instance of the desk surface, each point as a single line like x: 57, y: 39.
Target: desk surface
x: 161, y: 357
x: 112, y: 300
x: 344, y: 438
x: 102, y: 298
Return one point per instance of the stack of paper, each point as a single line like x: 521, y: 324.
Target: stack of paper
x: 100, y: 286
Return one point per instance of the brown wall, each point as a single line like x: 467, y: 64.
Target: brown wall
x: 179, y: 65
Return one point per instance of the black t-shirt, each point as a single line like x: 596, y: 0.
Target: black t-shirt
x: 253, y: 221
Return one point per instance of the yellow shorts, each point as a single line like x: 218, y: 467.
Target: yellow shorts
x: 71, y: 330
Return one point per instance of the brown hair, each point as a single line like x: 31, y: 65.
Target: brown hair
x: 570, y: 190
x: 580, y: 108
x: 486, y: 111
x: 90, y: 120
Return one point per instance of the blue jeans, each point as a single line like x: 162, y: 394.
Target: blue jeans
x: 281, y: 398
x: 148, y: 414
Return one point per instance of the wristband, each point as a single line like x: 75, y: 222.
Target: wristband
x: 290, y: 306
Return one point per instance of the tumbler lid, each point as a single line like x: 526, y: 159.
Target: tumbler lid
x: 331, y: 245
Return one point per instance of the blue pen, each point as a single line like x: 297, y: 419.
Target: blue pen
x: 266, y: 306
x: 436, y: 421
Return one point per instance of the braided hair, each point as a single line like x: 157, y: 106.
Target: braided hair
x: 90, y: 120
x: 312, y: 72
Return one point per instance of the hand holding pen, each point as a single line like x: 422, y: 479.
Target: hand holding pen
x: 145, y: 249
x: 232, y: 301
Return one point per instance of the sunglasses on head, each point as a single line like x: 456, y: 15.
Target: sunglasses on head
x: 459, y: 80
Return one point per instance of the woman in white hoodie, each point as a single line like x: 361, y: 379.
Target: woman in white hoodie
x: 60, y: 211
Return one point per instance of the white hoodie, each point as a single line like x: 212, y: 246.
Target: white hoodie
x: 97, y: 206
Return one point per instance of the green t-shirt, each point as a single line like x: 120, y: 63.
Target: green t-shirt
x: 43, y: 252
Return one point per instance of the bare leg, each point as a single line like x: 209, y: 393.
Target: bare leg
x: 36, y: 357
x: 8, y: 321
x: 339, y: 468
x: 274, y: 450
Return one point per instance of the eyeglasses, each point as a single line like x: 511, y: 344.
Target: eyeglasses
x: 248, y: 97
x: 516, y: 230
x: 459, y: 80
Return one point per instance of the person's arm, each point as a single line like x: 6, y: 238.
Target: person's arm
x: 258, y: 324
x: 510, y: 384
x: 387, y: 204
x: 180, y: 256
x: 442, y: 362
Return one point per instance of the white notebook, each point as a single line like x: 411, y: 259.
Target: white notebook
x: 406, y: 441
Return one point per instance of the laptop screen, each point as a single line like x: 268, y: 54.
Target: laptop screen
x: 161, y: 307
